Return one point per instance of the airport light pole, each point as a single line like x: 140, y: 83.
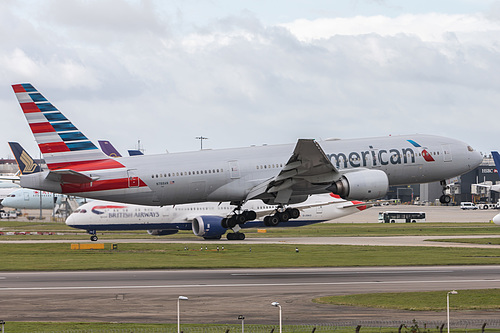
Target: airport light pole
x: 242, y: 318
x: 453, y: 292
x: 279, y: 306
x: 201, y: 138
x: 179, y: 312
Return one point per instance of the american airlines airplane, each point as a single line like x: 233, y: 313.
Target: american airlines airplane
x: 280, y: 175
x: 204, y: 219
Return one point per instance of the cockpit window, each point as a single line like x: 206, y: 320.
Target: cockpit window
x: 469, y: 148
x: 11, y: 196
x: 83, y: 211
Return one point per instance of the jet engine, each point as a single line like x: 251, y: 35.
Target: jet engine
x: 361, y: 185
x: 208, y: 227
x: 162, y: 232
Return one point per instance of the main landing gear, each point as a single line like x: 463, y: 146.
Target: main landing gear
x: 234, y: 221
x: 444, y: 198
x: 281, y: 215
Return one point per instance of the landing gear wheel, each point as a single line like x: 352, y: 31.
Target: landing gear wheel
x: 283, y: 216
x: 445, y: 199
x: 266, y: 221
x: 249, y: 215
x: 93, y: 238
x: 294, y: 213
x: 235, y: 236
x: 274, y: 220
x: 224, y: 223
x: 232, y: 222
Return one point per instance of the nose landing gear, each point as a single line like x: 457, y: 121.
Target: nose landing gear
x: 444, y: 198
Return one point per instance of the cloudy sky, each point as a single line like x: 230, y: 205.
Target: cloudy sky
x: 254, y: 72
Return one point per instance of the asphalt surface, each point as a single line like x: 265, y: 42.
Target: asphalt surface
x: 219, y: 296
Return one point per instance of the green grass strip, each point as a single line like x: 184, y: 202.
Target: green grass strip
x: 38, y: 257
x: 480, y: 299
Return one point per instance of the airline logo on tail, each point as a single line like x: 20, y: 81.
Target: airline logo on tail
x: 425, y: 154
x: 25, y: 162
x: 29, y: 164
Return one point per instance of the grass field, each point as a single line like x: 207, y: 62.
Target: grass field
x: 34, y: 257
x: 21, y: 327
x: 420, y: 301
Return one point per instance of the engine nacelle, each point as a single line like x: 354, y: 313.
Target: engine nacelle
x: 361, y: 185
x: 208, y: 227
x: 162, y: 232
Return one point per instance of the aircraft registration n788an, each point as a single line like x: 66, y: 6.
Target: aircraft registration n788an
x: 355, y: 169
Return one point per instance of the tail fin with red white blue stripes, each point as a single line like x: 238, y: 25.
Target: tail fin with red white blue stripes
x: 63, y: 146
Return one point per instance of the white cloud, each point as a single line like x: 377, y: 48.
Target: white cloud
x: 239, y: 81
x: 432, y: 27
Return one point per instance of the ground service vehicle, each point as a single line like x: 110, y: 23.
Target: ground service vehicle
x: 393, y: 217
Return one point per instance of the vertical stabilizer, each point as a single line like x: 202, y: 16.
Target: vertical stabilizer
x: 25, y: 162
x: 496, y: 158
x: 108, y: 148
x: 63, y: 146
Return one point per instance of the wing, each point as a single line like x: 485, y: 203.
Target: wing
x: 307, y: 168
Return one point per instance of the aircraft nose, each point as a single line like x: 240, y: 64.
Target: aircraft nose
x: 70, y: 220
x: 475, y: 158
x: 496, y: 219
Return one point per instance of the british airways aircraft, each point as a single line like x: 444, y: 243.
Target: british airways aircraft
x: 204, y: 219
x: 355, y: 169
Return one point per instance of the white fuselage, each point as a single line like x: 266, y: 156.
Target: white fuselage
x: 25, y: 198
x: 104, y: 215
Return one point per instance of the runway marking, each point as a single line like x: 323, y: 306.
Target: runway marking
x: 338, y: 273
x: 240, y: 285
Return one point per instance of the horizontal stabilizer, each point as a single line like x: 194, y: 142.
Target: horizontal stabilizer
x: 69, y: 176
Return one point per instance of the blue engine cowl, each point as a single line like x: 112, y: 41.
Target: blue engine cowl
x: 162, y: 232
x: 208, y: 227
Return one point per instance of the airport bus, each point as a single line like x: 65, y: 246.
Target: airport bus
x: 407, y: 217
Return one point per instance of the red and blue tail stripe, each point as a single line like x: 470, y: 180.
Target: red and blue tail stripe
x: 60, y: 142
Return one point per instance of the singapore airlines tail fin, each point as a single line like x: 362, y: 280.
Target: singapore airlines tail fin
x: 63, y: 146
x: 26, y: 163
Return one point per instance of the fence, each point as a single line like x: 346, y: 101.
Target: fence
x: 460, y: 326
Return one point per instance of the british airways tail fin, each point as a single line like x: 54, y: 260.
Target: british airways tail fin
x: 25, y: 162
x: 108, y: 148
x: 63, y: 146
x: 496, y: 158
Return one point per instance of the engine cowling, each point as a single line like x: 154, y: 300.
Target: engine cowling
x: 162, y: 232
x: 361, y: 185
x: 208, y: 227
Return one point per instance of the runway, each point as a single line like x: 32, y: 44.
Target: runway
x: 219, y: 296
